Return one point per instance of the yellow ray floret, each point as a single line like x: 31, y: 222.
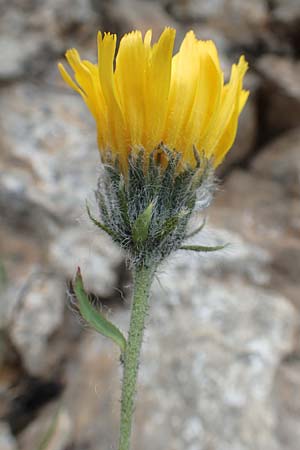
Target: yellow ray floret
x: 144, y: 95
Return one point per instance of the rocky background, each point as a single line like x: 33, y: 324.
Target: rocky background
x: 221, y: 360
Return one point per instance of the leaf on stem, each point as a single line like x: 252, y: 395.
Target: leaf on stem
x: 203, y: 248
x: 94, y: 317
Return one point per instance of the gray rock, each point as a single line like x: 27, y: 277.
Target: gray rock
x: 281, y: 93
x: 287, y: 403
x: 240, y: 22
x: 46, y: 175
x: 54, y: 418
x: 258, y: 218
x: 37, y: 316
x: 198, y: 9
x: 94, y: 252
x: 16, y: 56
x: 285, y: 22
x: 245, y: 138
x: 7, y: 440
x: 272, y: 226
x: 21, y: 256
x: 127, y: 15
x: 240, y: 258
x: 212, y: 350
x: 93, y: 392
x: 286, y: 8
x: 255, y: 14
x: 33, y: 34
x: 238, y: 10
x: 279, y: 161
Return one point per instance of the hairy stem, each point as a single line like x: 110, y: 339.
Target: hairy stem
x: 142, y: 281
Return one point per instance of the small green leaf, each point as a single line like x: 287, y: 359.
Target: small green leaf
x: 94, y: 318
x: 202, y: 248
x: 99, y: 224
x: 140, y: 228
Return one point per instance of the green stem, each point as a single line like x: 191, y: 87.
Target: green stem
x: 142, y: 281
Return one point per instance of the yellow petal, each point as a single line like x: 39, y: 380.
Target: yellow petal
x: 157, y: 85
x: 84, y: 79
x: 68, y: 79
x: 116, y: 129
x: 148, y: 38
x: 237, y: 97
x: 243, y: 99
x: 207, y: 99
x: 151, y: 97
x: 185, y: 70
x: 130, y: 82
x: 100, y: 104
x: 223, y: 117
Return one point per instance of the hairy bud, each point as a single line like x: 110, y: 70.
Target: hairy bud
x: 147, y: 212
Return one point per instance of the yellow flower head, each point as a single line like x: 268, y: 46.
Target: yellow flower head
x: 148, y: 96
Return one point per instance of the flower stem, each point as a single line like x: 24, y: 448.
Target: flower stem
x: 142, y: 281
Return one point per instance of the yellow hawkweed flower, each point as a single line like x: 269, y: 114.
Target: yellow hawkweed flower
x: 152, y: 97
x: 164, y: 123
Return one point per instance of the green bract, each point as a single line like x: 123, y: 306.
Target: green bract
x: 147, y: 212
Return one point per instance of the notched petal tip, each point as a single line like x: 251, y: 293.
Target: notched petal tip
x: 109, y: 36
x: 148, y: 38
x: 242, y: 66
x: 68, y: 79
x: 244, y: 95
x: 168, y: 34
x: 72, y: 53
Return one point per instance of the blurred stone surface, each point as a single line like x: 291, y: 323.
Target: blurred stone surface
x: 287, y: 403
x: 212, y: 387
x: 32, y: 32
x: 246, y: 137
x: 7, y: 440
x: 211, y: 351
x: 279, y: 161
x: 245, y: 260
x: 16, y: 56
x: 94, y: 252
x: 38, y: 315
x: 46, y: 174
x: 196, y: 9
x: 242, y: 23
x: 258, y: 218
x: 267, y: 217
x: 285, y: 19
x: 235, y: 10
x: 123, y: 16
x: 55, y: 422
x: 93, y: 392
x: 280, y: 95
